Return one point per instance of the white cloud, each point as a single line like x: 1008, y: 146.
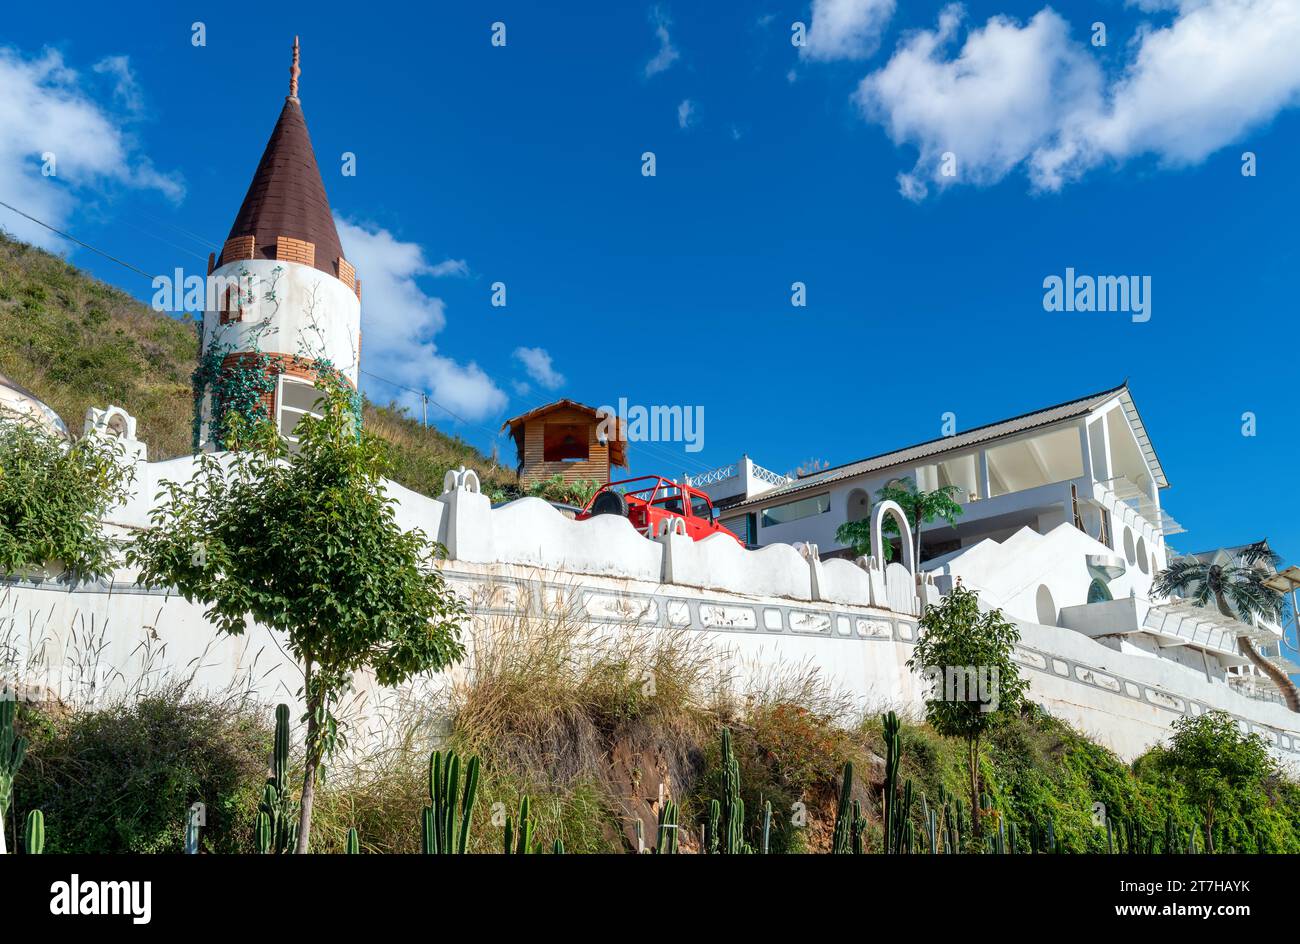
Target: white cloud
x: 846, y: 29
x: 400, y: 319
x: 44, y: 109
x: 1152, y: 6
x: 449, y: 267
x: 538, y: 364
x: 126, y: 90
x: 686, y: 114
x: 667, y: 53
x: 1004, y: 95
x: 1219, y: 70
x: 1028, y: 95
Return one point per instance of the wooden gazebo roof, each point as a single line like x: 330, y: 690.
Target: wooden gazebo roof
x: 617, y: 443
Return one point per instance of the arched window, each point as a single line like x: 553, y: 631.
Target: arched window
x: 859, y: 506
x: 1098, y: 592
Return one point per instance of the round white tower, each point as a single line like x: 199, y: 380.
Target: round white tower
x: 283, y: 304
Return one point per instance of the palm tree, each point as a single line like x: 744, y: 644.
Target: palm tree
x: 1238, y: 591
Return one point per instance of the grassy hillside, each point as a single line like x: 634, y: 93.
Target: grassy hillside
x: 77, y: 342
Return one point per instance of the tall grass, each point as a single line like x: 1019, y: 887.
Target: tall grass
x: 597, y: 724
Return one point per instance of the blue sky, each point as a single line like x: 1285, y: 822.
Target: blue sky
x: 774, y: 164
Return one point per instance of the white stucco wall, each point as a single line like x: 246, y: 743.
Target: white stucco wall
x: 764, y: 609
x: 312, y: 314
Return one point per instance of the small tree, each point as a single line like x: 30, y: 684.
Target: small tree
x: 308, y: 545
x: 966, y: 654
x: 1213, y: 760
x: 920, y: 507
x: 53, y: 495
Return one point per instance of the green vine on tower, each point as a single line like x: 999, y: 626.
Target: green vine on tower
x: 241, y: 388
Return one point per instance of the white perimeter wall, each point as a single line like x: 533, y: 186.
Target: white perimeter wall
x: 768, y: 610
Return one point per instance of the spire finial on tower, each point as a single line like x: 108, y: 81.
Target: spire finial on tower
x: 294, y: 72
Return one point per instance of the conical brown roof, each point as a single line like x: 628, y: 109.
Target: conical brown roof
x: 287, y: 195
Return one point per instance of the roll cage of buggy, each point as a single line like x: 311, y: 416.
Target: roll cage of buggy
x: 656, y: 505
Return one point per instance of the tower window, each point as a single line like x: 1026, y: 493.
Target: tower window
x: 232, y: 308
x: 297, y: 399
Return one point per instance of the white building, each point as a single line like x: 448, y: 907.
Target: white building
x: 1062, y: 525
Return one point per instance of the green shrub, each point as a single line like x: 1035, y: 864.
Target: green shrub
x: 52, y: 496
x: 121, y: 778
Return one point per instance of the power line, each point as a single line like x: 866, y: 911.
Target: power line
x: 60, y: 232
x: 426, y: 399
x: 139, y: 271
x: 657, y: 453
x: 177, y: 246
x: 202, y: 240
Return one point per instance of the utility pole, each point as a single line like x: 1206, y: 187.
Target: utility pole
x: 424, y: 397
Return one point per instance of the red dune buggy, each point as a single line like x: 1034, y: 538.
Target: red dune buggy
x: 650, y: 500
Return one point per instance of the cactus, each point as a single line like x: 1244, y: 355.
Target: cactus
x: 353, y: 846
x: 444, y: 832
x: 262, y: 833
x: 905, y: 820
x: 518, y: 840
x: 12, y: 750
x: 666, y: 836
x: 733, y: 807
x: 767, y: 826
x: 897, y: 808
x: 841, y: 841
x: 277, y: 805
x: 930, y: 823
x: 893, y: 754
x: 558, y: 847
x: 34, y: 836
x: 725, y: 827
x: 1011, y: 836
x: 951, y: 821
x: 858, y: 837
x: 1110, y: 837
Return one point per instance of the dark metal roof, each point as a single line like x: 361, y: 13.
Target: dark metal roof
x: 980, y: 434
x: 287, y: 195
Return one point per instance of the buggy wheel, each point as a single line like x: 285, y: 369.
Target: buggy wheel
x: 609, y: 503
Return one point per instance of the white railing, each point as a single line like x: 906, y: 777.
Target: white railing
x: 770, y: 477
x: 1124, y: 492
x: 713, y: 477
